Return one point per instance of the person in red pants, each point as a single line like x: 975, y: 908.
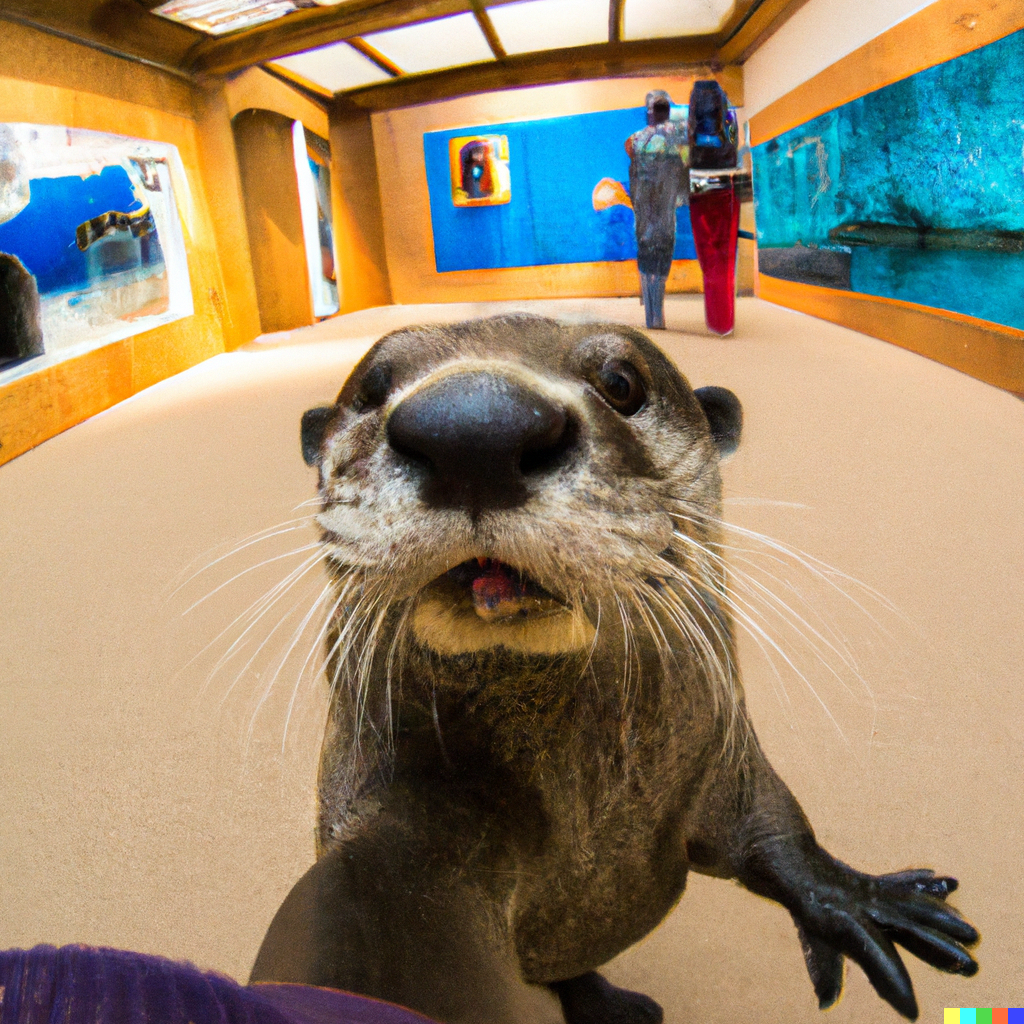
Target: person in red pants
x: 659, y: 180
x: 714, y: 202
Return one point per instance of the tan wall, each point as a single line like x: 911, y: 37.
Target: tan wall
x: 215, y: 103
x: 817, y: 35
x: 254, y: 88
x: 398, y: 140
x: 241, y: 322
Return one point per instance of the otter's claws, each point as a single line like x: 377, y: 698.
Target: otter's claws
x: 841, y: 912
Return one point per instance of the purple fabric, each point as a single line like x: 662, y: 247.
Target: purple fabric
x: 83, y: 985
x: 305, y: 1004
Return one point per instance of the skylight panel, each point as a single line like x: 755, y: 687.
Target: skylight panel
x: 661, y: 19
x: 334, y: 67
x: 550, y: 24
x: 217, y: 17
x: 432, y: 45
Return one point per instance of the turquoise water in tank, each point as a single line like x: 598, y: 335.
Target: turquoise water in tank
x: 943, y: 149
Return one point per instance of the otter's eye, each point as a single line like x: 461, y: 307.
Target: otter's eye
x: 374, y: 388
x: 621, y: 386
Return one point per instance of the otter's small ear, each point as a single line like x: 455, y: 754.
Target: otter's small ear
x: 314, y: 426
x: 725, y: 417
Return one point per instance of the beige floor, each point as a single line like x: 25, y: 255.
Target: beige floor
x: 149, y: 803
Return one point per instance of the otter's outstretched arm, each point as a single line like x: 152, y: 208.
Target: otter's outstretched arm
x: 769, y: 846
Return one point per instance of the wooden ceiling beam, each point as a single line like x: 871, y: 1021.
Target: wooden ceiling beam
x: 578, y: 63
x: 616, y: 20
x: 312, y: 27
x: 127, y: 28
x: 313, y: 91
x: 740, y: 13
x: 745, y: 33
x: 374, y: 56
x: 483, y: 19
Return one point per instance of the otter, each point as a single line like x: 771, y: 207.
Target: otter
x: 536, y: 724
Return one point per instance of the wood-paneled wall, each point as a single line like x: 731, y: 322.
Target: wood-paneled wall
x: 362, y: 266
x: 270, y: 190
x: 46, y: 79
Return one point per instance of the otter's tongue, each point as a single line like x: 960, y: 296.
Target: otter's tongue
x: 497, y: 594
x: 502, y: 592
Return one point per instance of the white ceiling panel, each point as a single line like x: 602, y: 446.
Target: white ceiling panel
x: 661, y: 19
x: 334, y: 67
x: 550, y: 24
x: 432, y: 45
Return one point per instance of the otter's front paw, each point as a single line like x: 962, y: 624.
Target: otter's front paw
x: 591, y: 999
x: 839, y: 911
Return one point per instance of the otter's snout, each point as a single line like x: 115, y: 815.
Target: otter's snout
x: 479, y: 438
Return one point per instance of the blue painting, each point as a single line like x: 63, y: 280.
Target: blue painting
x: 91, y: 245
x: 913, y: 192
x: 562, y: 170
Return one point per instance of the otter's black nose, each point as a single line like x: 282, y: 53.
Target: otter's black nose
x: 479, y: 438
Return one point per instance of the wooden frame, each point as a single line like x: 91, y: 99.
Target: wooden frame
x: 748, y: 29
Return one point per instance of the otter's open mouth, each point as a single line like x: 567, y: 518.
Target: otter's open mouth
x: 484, y: 603
x: 497, y: 591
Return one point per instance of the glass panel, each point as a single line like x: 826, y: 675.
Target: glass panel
x: 658, y: 19
x: 432, y: 45
x: 91, y: 245
x: 550, y: 24
x: 334, y: 67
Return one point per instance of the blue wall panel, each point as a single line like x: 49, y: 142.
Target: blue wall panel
x: 554, y: 165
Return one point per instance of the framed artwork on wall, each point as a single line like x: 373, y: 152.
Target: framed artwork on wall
x: 480, y: 170
x: 91, y: 244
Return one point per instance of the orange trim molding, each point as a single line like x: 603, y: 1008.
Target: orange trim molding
x: 985, y: 350
x: 48, y: 401
x: 940, y: 32
x: 548, y: 281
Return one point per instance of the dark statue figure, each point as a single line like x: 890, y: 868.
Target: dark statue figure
x: 21, y: 335
x: 659, y: 181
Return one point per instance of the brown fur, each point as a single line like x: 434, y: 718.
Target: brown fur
x: 564, y: 791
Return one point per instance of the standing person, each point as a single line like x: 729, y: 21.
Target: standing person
x: 715, y: 203
x: 659, y: 181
